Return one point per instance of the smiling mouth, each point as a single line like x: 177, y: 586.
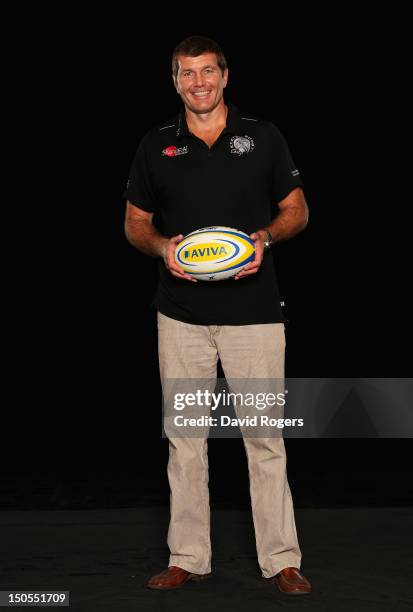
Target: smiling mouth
x: 201, y: 94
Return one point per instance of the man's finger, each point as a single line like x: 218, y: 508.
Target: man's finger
x: 184, y: 276
x: 251, y: 266
x: 248, y: 273
x: 181, y: 273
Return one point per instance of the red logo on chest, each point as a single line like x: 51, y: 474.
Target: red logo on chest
x: 174, y: 151
x: 169, y: 151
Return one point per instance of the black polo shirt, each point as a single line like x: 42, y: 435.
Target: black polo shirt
x: 236, y: 183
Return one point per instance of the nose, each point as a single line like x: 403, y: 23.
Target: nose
x: 198, y: 79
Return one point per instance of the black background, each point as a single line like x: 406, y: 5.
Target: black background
x: 85, y: 406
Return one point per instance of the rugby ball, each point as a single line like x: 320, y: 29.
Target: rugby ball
x: 214, y: 253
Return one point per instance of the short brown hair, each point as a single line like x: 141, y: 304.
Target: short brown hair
x: 197, y: 45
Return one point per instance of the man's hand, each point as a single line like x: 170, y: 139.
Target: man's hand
x: 254, y: 266
x: 168, y: 254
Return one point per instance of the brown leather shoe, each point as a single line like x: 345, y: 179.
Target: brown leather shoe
x: 173, y: 578
x: 291, y: 581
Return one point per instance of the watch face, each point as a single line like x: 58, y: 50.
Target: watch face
x: 268, y: 242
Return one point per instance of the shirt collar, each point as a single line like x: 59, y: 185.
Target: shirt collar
x: 232, y: 125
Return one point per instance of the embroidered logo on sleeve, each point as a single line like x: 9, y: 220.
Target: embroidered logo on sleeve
x: 241, y: 144
x: 174, y: 151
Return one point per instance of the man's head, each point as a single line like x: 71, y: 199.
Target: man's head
x: 200, y: 73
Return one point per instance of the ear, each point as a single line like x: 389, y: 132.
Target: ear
x: 225, y: 76
x: 175, y: 82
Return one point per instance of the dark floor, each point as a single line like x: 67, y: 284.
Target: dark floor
x: 356, y: 559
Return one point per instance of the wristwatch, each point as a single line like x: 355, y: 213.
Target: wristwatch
x: 268, y: 242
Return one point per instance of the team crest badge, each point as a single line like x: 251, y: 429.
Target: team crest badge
x: 241, y: 144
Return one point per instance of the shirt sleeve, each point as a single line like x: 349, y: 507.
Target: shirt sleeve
x: 285, y: 174
x: 139, y: 189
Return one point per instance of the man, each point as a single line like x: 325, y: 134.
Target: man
x: 213, y: 165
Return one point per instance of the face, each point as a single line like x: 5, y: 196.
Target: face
x: 200, y: 82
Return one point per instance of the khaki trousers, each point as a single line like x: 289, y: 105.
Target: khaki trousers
x: 245, y: 351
